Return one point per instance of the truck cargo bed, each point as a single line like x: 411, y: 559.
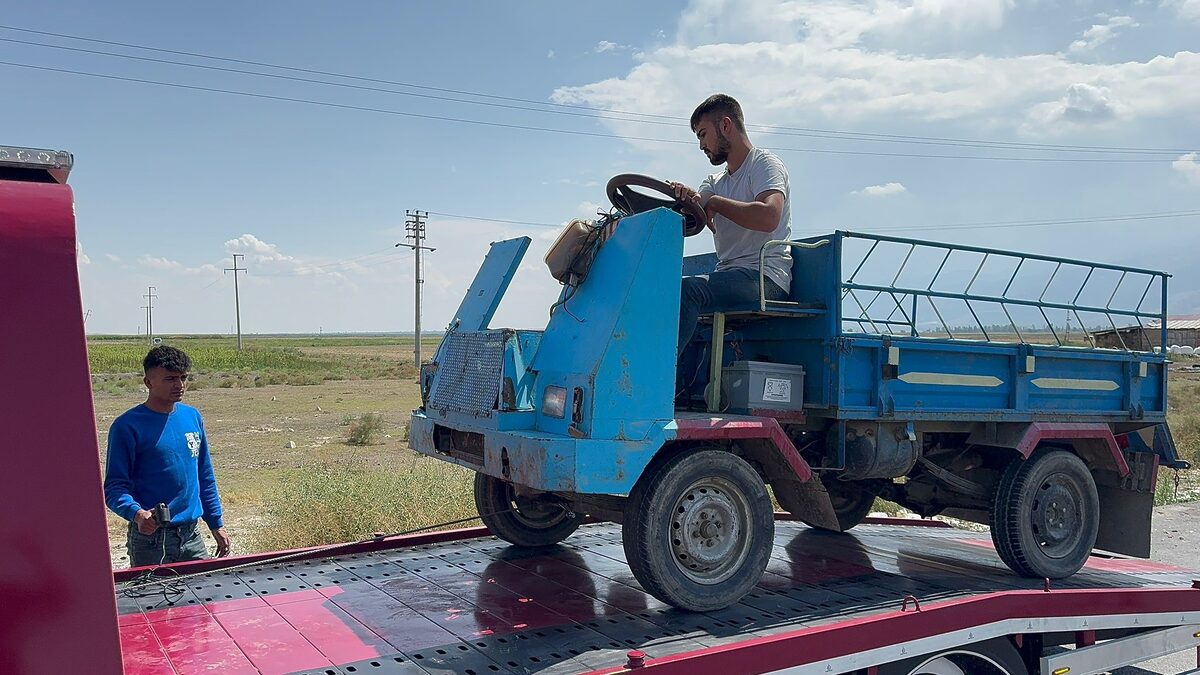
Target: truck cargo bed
x: 474, y: 604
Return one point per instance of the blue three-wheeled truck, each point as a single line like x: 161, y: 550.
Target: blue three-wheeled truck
x: 949, y: 379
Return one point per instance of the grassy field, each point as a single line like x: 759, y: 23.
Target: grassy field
x: 116, y: 363
x: 309, y: 436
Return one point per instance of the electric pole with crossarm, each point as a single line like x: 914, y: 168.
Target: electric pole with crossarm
x: 237, y: 301
x: 414, y: 223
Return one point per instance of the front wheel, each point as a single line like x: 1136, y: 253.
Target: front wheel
x: 698, y: 530
x: 1045, y: 514
x: 519, y: 520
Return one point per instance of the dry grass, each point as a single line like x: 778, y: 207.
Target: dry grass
x: 346, y: 500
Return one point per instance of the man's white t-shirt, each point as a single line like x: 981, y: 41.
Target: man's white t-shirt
x: 738, y: 247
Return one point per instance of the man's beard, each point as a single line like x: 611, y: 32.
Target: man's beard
x: 721, y: 154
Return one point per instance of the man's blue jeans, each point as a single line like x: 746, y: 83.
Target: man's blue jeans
x: 728, y: 289
x: 166, y: 545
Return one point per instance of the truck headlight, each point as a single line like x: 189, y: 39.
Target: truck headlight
x: 554, y: 402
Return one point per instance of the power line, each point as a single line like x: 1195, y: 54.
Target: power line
x: 572, y: 132
x: 911, y: 228
x: 604, y: 114
x: 774, y: 129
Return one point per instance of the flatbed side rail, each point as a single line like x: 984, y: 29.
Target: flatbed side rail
x: 909, y: 287
x: 858, y: 644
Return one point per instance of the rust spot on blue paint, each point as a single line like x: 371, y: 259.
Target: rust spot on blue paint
x: 625, y: 383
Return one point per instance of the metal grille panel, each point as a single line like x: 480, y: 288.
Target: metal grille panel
x: 469, y: 372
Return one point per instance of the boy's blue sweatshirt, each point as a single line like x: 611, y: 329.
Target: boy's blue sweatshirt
x: 156, y: 457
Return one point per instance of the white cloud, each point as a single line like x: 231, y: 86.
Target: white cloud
x: 1083, y: 105
x: 80, y: 256
x: 1188, y: 167
x: 885, y: 190
x: 550, y: 54
x: 606, y: 46
x: 255, y: 249
x: 112, y: 258
x: 1187, y: 9
x: 589, y: 209
x: 822, y: 62
x: 1098, y: 34
x: 165, y: 264
x: 832, y: 23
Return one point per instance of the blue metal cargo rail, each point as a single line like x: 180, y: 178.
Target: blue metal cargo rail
x: 873, y: 320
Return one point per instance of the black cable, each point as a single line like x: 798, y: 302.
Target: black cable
x: 591, y: 134
x: 913, y: 228
x: 771, y: 129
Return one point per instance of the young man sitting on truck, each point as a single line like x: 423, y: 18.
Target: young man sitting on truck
x: 158, y: 454
x: 748, y: 204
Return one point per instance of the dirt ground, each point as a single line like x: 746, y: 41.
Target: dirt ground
x: 249, y: 431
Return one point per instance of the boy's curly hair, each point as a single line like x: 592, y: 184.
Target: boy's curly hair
x: 167, y: 358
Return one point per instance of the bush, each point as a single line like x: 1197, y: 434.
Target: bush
x: 348, y: 501
x: 364, y: 430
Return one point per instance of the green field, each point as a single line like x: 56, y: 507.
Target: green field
x: 116, y: 362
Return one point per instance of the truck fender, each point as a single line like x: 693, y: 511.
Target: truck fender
x: 1094, y: 443
x: 775, y: 452
x: 763, y: 441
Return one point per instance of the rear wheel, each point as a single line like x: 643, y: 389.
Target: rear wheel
x: 698, y: 530
x: 523, y: 521
x: 993, y: 657
x: 1045, y: 514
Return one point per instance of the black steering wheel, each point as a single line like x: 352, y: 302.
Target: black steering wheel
x: 629, y: 201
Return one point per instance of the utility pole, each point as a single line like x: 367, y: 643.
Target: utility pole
x: 414, y: 223
x: 150, y: 296
x: 237, y: 302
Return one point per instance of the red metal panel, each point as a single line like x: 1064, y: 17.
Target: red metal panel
x: 270, y: 642
x: 176, y: 612
x: 142, y: 653
x: 402, y: 627
x: 814, y: 645
x: 731, y: 428
x: 331, y: 630
x: 199, y: 644
x: 314, y: 552
x: 55, y: 584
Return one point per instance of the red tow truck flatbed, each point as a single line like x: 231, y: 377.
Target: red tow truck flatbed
x: 464, y: 602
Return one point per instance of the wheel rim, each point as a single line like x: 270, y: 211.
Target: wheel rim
x: 960, y: 663
x: 1056, y: 514
x: 533, y: 513
x: 708, y: 530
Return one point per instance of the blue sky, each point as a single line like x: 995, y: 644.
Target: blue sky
x: 170, y: 182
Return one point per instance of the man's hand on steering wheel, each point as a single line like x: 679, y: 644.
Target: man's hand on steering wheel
x: 629, y: 201
x: 683, y: 193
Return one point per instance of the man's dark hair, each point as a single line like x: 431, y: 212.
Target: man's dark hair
x: 719, y: 106
x: 167, y: 358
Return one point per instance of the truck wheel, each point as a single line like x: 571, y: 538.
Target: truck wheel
x: 851, y: 500
x: 520, y: 520
x: 698, y: 530
x: 993, y: 657
x: 1045, y: 514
